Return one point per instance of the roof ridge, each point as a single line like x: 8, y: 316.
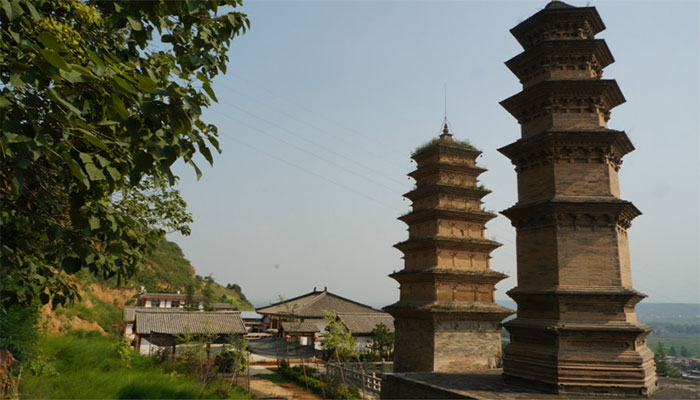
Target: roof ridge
x: 288, y: 300
x: 356, y: 302
x: 314, y: 301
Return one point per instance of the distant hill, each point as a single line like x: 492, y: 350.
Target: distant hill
x: 669, y: 312
x: 166, y: 270
x: 652, y: 312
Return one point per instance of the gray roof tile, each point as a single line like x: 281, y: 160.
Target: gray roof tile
x: 365, y: 323
x: 194, y: 322
x: 313, y: 305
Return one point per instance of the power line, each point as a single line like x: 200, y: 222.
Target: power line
x: 380, y: 184
x: 366, y: 149
x: 294, y: 165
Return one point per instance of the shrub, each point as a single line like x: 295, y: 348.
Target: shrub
x: 321, y: 385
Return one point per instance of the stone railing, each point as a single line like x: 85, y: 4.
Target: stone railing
x: 366, y: 375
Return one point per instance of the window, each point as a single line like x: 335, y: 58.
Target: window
x: 155, y: 303
x: 175, y: 303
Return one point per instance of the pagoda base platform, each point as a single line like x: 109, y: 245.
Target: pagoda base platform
x: 447, y: 337
x: 489, y: 384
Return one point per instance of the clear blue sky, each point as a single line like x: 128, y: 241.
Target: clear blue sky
x: 324, y: 102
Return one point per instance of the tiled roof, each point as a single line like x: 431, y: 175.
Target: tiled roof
x: 178, y: 323
x: 129, y: 312
x: 305, y: 326
x: 365, y: 323
x: 313, y: 305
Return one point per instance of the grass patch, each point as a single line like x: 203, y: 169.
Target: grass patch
x: 278, y: 379
x: 87, y: 365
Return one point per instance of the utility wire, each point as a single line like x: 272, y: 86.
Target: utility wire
x: 378, y: 138
x: 365, y: 149
x: 308, y: 171
x: 271, y: 123
x: 302, y: 149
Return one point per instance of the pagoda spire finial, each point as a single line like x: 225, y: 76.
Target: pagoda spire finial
x: 445, y: 129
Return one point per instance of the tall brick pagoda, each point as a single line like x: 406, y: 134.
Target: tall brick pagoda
x: 446, y: 318
x: 576, y: 329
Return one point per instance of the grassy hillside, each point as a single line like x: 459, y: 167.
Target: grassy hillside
x: 84, y: 365
x: 167, y: 270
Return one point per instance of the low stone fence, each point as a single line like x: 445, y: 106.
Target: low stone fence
x: 365, y: 375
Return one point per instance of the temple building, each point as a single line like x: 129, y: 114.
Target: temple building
x: 446, y: 319
x: 576, y: 329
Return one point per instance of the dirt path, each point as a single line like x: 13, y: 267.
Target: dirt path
x: 264, y: 388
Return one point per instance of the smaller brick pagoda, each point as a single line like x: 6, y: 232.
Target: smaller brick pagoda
x: 446, y: 319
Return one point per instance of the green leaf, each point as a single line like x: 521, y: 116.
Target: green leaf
x: 49, y: 41
x: 136, y: 25
x: 94, y: 222
x: 96, y: 59
x: 210, y: 92
x: 235, y: 22
x: 94, y: 173
x: 146, y: 83
x: 7, y: 7
x: 113, y: 172
x: 119, y: 107
x: 124, y: 84
x: 35, y: 15
x: 17, y: 182
x: 76, y: 170
x: 15, y: 138
x: 14, y: 35
x: 196, y: 170
x: 54, y: 59
x: 205, y: 152
x: 53, y: 95
x: 74, y: 77
x: 92, y: 139
x: 83, y: 71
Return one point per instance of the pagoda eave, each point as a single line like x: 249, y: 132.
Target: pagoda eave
x: 452, y: 309
x: 546, y: 91
x: 524, y: 32
x: 443, y: 274
x: 446, y: 167
x: 524, y: 147
x: 563, y: 210
x: 595, y: 47
x: 577, y: 291
x: 471, y: 191
x: 447, y: 213
x: 448, y: 243
x: 559, y: 326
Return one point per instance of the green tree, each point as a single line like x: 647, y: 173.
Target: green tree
x: 338, y: 338
x: 663, y: 367
x: 208, y: 293
x: 684, y: 352
x: 98, y: 100
x: 190, y: 304
x: 672, y: 352
x: 383, y: 341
